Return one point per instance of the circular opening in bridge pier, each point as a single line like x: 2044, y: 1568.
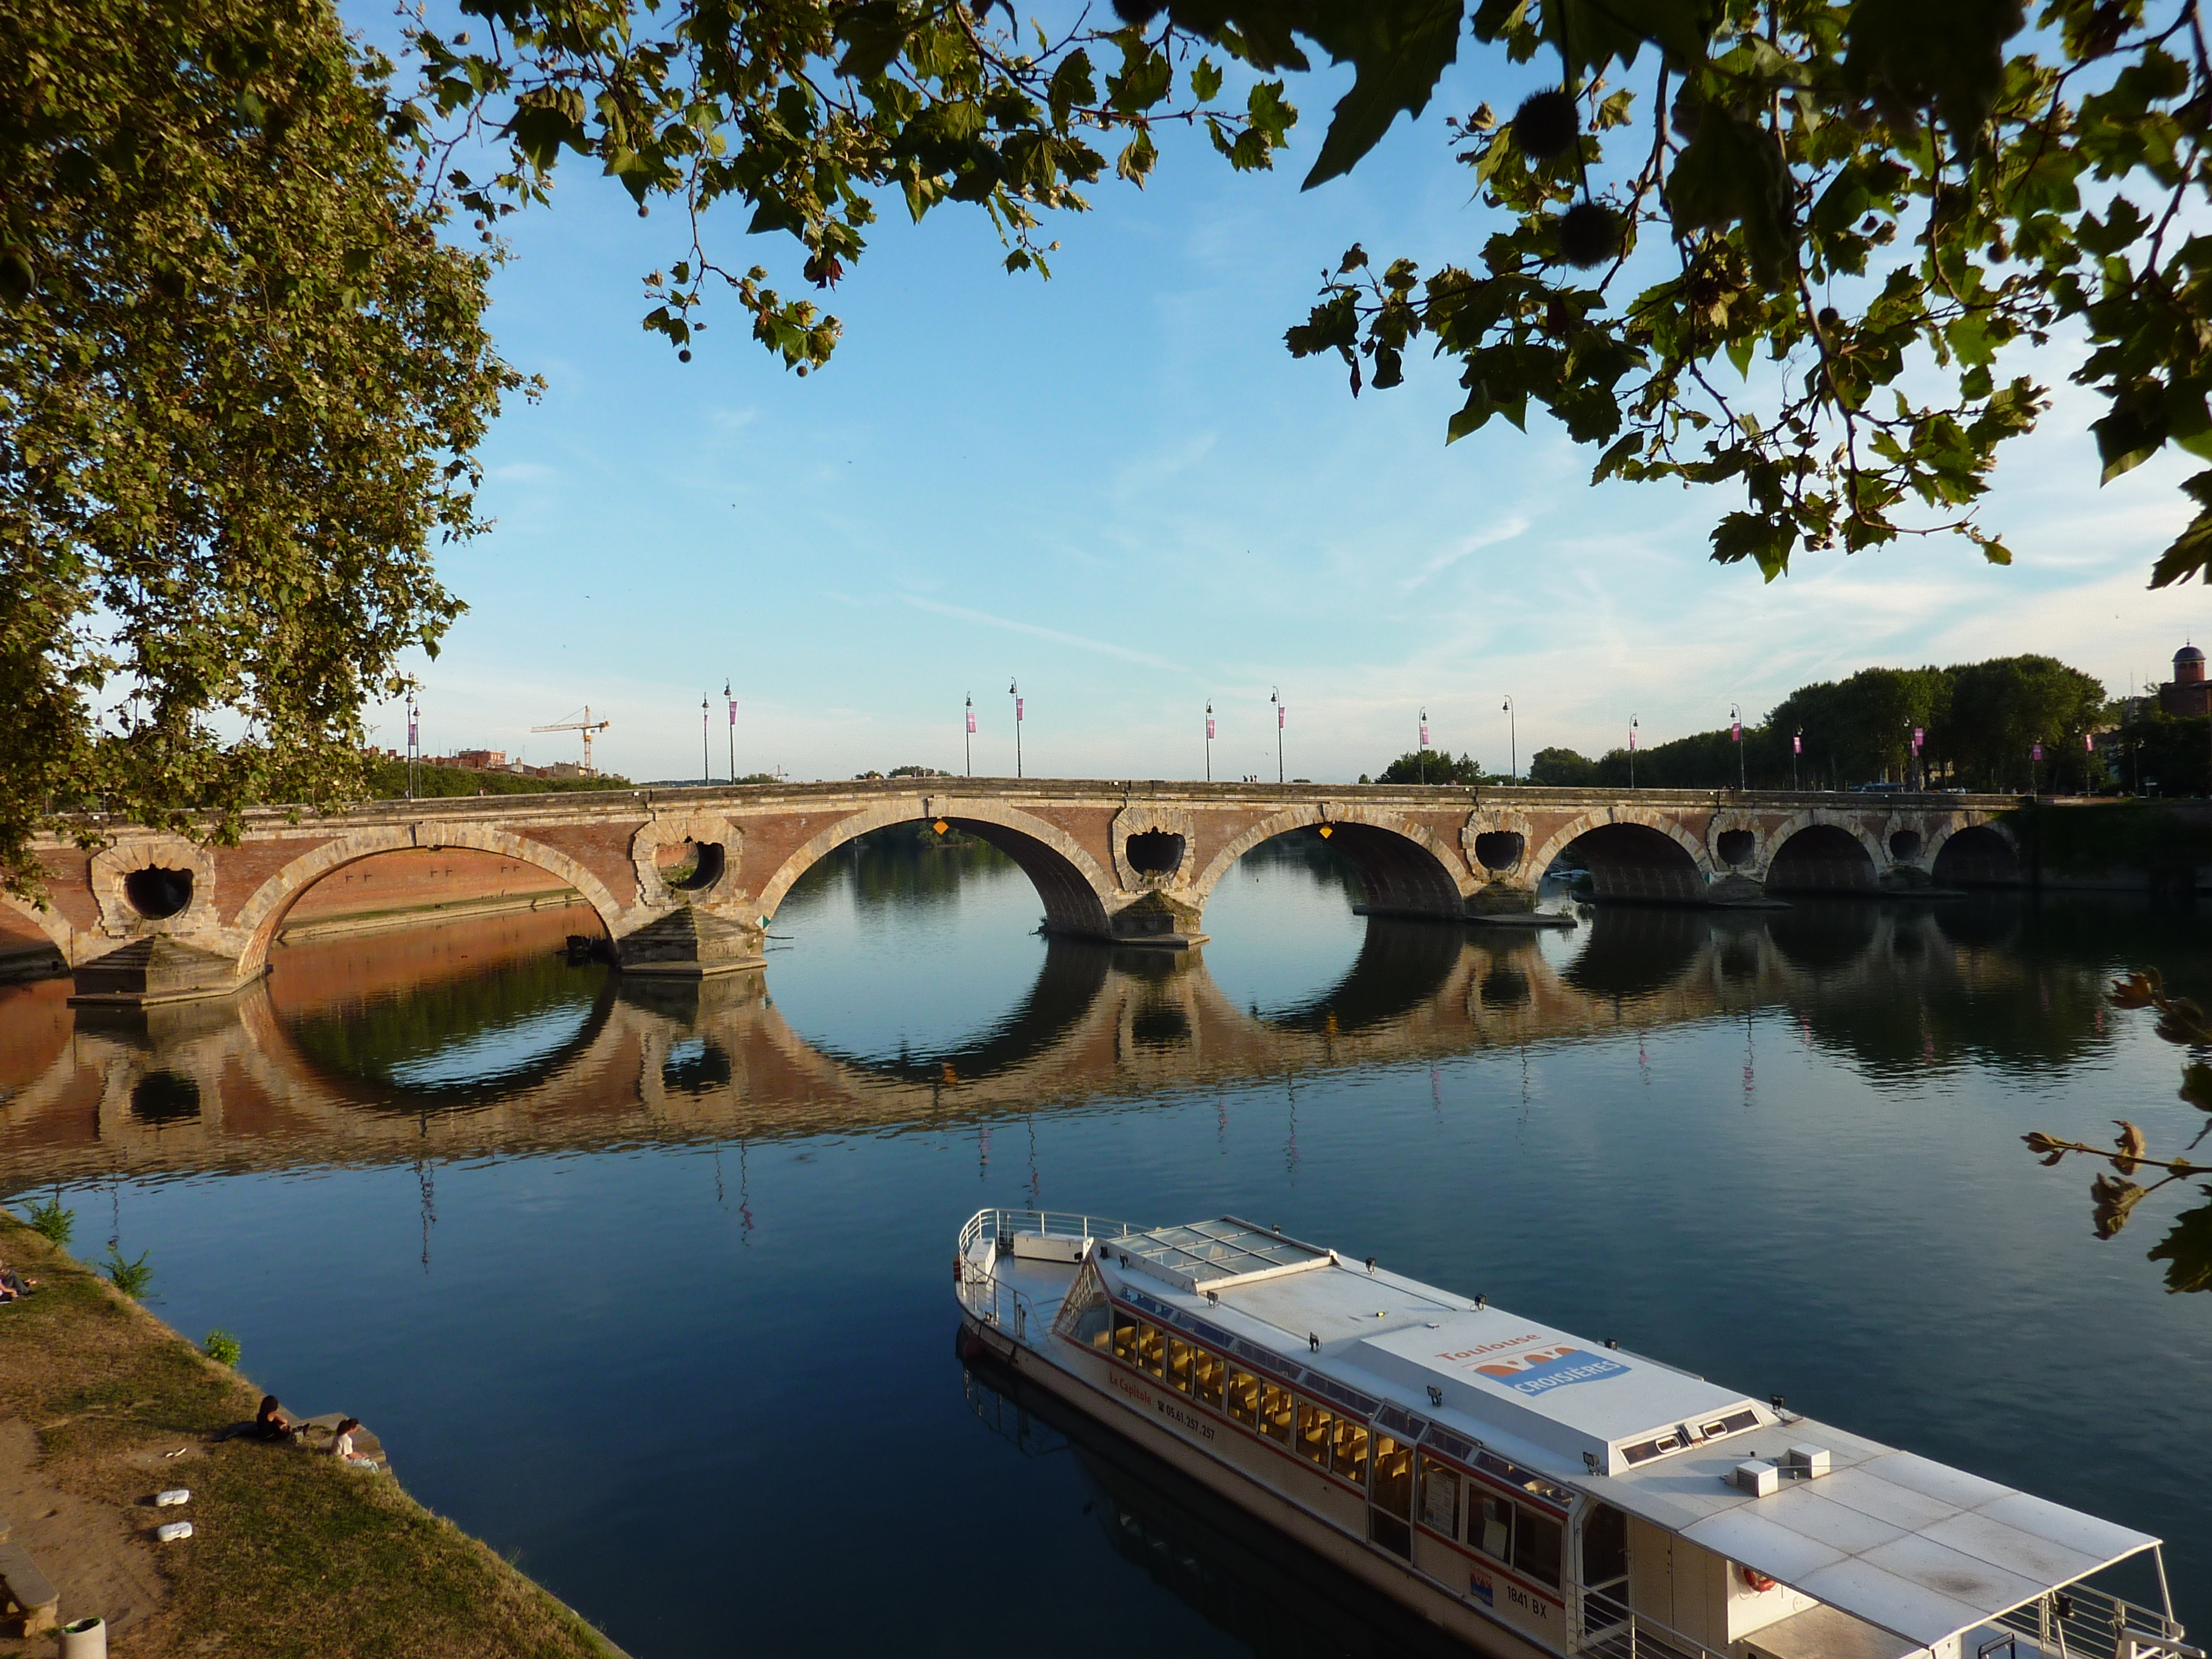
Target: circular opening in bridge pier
x: 695, y: 1065
x: 1154, y: 853
x: 1505, y: 988
x: 162, y: 1097
x: 688, y: 866
x: 1735, y: 847
x: 1905, y: 846
x: 1500, y: 849
x: 156, y: 893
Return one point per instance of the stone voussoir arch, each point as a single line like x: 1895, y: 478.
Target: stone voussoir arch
x: 255, y: 927
x: 1828, y: 817
x: 1043, y: 836
x: 673, y: 829
x: 1451, y: 865
x: 49, y: 921
x: 1498, y: 821
x: 1941, y: 827
x: 113, y: 866
x: 1644, y: 816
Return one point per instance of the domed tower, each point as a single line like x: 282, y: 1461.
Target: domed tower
x: 2187, y: 693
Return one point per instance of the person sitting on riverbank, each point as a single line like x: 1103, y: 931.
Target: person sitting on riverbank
x: 14, y: 1287
x: 273, y: 1422
x: 342, y: 1445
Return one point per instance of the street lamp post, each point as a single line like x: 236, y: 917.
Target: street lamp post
x: 1014, y: 690
x: 414, y: 744
x: 705, y: 767
x: 732, y: 701
x: 1424, y: 745
x: 1631, y: 751
x: 1512, y: 737
x: 968, y: 737
x: 1275, y: 696
x: 1209, y: 740
x: 1736, y: 730
x: 1796, y: 748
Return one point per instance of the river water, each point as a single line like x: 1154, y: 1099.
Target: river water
x: 647, y: 1286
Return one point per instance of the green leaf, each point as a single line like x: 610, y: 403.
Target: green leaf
x: 1401, y: 49
x: 1072, y: 84
x: 875, y: 32
x: 1205, y: 81
x: 2187, y: 1249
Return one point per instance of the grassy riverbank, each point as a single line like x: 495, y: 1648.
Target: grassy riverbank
x: 291, y: 1553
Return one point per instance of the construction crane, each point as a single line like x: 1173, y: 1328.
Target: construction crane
x: 587, y: 726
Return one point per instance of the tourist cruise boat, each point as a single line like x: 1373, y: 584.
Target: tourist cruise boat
x: 1533, y: 1493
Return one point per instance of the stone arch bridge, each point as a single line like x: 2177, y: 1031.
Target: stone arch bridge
x: 683, y: 881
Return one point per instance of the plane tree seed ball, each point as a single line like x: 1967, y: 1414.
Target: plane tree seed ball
x: 1589, y: 234
x: 1545, y: 125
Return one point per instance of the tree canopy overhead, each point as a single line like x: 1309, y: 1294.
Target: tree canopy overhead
x: 1781, y: 246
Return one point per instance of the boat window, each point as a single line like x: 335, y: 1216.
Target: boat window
x: 1244, y: 1398
x: 1536, y: 1546
x: 1347, y: 1453
x: 1275, y: 1410
x: 1179, y: 1352
x: 1394, y: 1476
x: 1207, y: 1372
x: 1151, y: 1349
x: 1439, y: 1498
x: 1086, y: 1317
x: 1313, y: 1433
x: 1125, y: 1338
x: 1605, y: 1546
x: 1490, y: 1528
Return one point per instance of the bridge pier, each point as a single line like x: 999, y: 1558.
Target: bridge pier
x: 690, y: 942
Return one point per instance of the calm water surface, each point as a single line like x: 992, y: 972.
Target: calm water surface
x: 647, y: 1286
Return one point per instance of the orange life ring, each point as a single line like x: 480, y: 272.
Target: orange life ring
x: 1756, y: 1579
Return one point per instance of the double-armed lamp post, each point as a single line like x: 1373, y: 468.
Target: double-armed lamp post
x: 1275, y: 696
x: 1512, y: 737
x: 968, y: 737
x: 1014, y: 690
x: 1209, y: 740
x: 1631, y: 751
x: 1735, y: 729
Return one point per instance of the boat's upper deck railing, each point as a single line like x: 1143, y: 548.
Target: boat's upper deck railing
x: 1052, y: 1223
x: 2089, y: 1624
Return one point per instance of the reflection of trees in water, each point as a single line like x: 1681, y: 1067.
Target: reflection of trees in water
x: 1401, y: 965
x: 373, y: 1040
x: 907, y: 866
x: 1259, y: 1588
x: 1074, y: 973
x: 1635, y: 952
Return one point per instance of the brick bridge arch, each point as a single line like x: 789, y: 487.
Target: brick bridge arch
x: 1633, y: 851
x: 1079, y: 897
x: 1405, y: 868
x: 259, y: 920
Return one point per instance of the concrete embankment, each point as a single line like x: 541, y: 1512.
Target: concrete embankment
x: 102, y: 1405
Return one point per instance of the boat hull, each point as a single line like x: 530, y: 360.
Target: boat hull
x: 1093, y: 1386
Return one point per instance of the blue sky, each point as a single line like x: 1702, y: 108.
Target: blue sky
x: 1117, y: 487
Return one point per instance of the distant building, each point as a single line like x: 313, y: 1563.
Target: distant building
x: 480, y: 760
x: 2187, y: 692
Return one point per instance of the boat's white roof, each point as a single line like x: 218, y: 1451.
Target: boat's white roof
x: 1915, y: 1547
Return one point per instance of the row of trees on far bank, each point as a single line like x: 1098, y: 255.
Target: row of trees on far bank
x: 1981, y: 723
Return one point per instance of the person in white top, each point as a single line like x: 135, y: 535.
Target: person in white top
x: 342, y: 1445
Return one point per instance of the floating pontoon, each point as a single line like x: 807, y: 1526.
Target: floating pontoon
x: 1533, y: 1493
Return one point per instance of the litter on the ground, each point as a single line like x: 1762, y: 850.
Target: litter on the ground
x: 174, y: 1531
x: 174, y: 1496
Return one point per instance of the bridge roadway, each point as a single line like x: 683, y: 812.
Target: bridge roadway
x: 684, y: 881
x: 249, y: 1082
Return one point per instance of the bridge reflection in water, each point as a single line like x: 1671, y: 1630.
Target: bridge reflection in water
x: 476, y: 1038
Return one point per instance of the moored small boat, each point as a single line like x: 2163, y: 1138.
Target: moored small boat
x: 1533, y: 1493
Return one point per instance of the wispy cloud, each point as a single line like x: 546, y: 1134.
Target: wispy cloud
x: 1504, y: 531
x: 1103, y: 647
